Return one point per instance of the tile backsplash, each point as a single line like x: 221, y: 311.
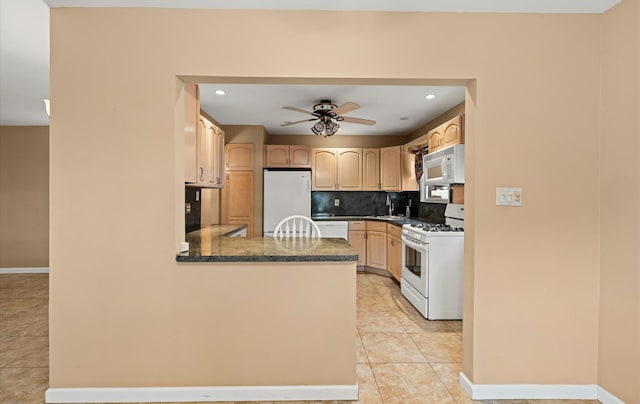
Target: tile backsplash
x: 374, y: 204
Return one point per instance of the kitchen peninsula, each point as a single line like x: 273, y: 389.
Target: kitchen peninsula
x: 277, y: 312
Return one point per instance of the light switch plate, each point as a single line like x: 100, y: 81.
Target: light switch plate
x: 509, y: 196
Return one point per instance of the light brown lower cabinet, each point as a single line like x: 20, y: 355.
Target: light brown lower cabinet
x: 358, y: 240
x: 377, y: 244
x: 394, y: 250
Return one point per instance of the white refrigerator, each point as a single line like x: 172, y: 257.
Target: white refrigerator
x: 285, y: 193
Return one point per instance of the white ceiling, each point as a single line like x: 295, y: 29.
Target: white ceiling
x: 24, y: 43
x: 252, y: 104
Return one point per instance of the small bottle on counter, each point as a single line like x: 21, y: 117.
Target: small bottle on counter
x: 407, y: 211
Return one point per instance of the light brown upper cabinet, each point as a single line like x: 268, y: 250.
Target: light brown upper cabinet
x: 204, y: 145
x: 452, y: 131
x: 390, y: 178
x: 434, y: 139
x: 209, y: 153
x: 324, y: 172
x: 295, y: 156
x: 336, y: 169
x: 447, y: 134
x: 349, y: 169
x: 190, y: 122
x: 370, y: 169
x: 239, y: 157
x: 408, y: 169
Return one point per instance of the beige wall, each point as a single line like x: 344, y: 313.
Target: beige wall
x: 619, y: 331
x: 534, y: 114
x: 24, y: 196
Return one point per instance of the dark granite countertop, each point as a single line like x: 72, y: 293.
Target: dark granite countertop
x: 206, y: 245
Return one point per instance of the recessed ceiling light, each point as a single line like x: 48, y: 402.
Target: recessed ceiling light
x: 430, y: 96
x: 220, y: 92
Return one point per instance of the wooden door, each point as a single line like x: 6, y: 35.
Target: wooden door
x: 210, y: 146
x: 238, y: 199
x: 370, y: 169
x: 434, y: 139
x: 390, y: 169
x: 218, y: 159
x: 377, y: 249
x: 190, y: 124
x: 239, y: 156
x: 300, y: 156
x: 452, y: 132
x: 357, y: 239
x: 394, y: 256
x: 349, y: 169
x: 201, y: 150
x: 276, y: 156
x: 323, y: 174
x: 408, y: 170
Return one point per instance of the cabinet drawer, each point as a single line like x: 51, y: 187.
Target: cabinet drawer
x: 394, y: 230
x: 357, y: 225
x: 377, y: 226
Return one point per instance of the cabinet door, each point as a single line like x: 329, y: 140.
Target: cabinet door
x: 377, y: 249
x: 218, y: 159
x: 434, y: 139
x: 452, y: 132
x: 390, y: 169
x: 324, y: 175
x: 201, y: 149
x: 190, y: 124
x: 239, y: 157
x: 210, y: 146
x: 349, y: 169
x: 300, y: 156
x: 237, y: 197
x: 370, y: 169
x: 394, y: 257
x: 359, y: 243
x: 408, y: 170
x: 276, y: 156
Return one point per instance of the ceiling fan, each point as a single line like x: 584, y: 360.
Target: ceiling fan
x: 327, y: 115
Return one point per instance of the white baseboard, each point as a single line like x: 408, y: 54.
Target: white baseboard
x: 607, y: 398
x: 195, y: 394
x: 38, y: 270
x: 532, y: 391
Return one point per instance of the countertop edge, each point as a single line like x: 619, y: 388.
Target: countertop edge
x: 268, y: 258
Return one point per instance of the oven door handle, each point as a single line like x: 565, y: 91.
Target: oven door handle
x: 413, y: 244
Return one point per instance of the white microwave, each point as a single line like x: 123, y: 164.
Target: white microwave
x: 443, y: 167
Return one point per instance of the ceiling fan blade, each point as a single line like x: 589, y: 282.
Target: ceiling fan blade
x: 298, y: 110
x: 346, y: 107
x: 358, y: 120
x: 293, y: 123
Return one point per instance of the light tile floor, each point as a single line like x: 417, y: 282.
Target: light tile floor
x: 401, y: 357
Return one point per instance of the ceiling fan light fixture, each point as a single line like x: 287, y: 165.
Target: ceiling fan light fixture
x: 318, y: 128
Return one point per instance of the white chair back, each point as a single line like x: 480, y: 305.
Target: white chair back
x: 297, y: 226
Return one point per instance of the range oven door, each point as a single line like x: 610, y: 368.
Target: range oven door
x: 414, y: 264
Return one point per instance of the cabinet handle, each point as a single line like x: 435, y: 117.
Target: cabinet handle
x: 201, y: 173
x: 227, y: 164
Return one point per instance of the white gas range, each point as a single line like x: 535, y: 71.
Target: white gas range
x: 432, y: 266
